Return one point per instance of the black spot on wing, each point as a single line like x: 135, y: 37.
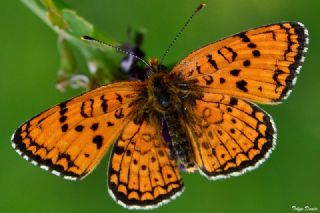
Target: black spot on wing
x: 82, y: 112
x: 119, y: 98
x: 110, y: 123
x: 275, y: 77
x: 244, y: 37
x: 63, y: 111
x: 235, y: 72
x: 64, y: 127
x: 208, y: 79
x: 242, y: 85
x: 79, y: 128
x: 234, y: 54
x: 118, y: 150
x: 233, y: 101
x: 198, y: 68
x: 94, y: 126
x: 246, y: 63
x: 104, y: 104
x: 212, y: 61
x: 118, y: 114
x: 63, y: 118
x: 256, y: 53
x: 98, y: 140
x: 222, y: 80
x: 252, y: 45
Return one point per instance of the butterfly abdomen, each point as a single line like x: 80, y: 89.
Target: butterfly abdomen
x: 179, y: 145
x: 167, y: 97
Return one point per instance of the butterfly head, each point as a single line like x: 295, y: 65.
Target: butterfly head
x: 156, y: 66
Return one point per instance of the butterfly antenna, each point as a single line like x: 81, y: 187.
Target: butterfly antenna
x: 103, y: 44
x: 201, y: 6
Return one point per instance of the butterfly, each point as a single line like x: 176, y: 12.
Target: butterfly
x: 206, y: 102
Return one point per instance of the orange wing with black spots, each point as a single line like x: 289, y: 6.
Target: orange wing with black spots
x: 260, y: 64
x: 71, y: 138
x: 231, y: 136
x: 141, y: 174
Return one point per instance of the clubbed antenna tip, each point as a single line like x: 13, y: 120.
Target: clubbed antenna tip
x: 201, y: 6
x: 87, y: 38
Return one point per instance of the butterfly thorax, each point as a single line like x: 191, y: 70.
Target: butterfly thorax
x: 169, y: 99
x: 170, y: 92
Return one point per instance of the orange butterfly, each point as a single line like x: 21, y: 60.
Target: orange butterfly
x: 205, y: 101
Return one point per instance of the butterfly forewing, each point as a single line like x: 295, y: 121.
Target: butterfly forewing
x: 260, y: 64
x: 141, y: 174
x: 71, y: 138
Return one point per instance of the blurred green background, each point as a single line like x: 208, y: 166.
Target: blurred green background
x: 28, y: 65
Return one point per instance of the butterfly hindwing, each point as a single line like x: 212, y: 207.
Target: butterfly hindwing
x: 141, y: 174
x: 260, y: 64
x: 71, y: 138
x: 231, y: 136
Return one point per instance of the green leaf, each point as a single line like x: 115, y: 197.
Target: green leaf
x: 54, y: 15
x: 103, y: 64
